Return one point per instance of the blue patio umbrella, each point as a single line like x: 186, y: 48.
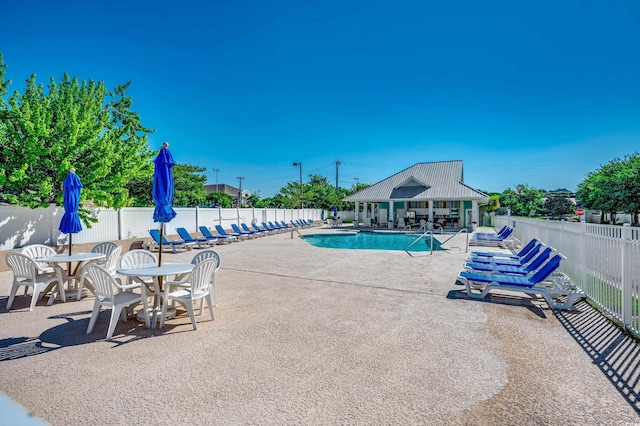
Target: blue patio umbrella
x: 70, y: 223
x: 162, y: 191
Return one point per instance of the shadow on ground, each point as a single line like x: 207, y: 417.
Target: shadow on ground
x: 614, y: 352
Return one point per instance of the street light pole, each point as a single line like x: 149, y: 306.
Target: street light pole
x: 240, y: 178
x: 299, y: 164
x: 216, y: 170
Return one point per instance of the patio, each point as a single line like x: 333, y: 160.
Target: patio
x: 324, y: 336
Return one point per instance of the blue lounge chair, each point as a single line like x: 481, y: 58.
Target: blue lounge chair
x: 527, y: 269
x: 495, y: 237
x: 207, y: 234
x: 491, y: 234
x: 278, y: 227
x: 257, y: 228
x: 265, y: 225
x: 200, y: 242
x: 224, y: 233
x: 248, y: 234
x: 523, y: 252
x: 284, y: 225
x: 257, y: 231
x: 479, y: 284
x: 508, y: 262
x: 174, y: 245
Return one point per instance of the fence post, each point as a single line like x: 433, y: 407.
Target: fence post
x: 583, y: 255
x: 626, y: 275
x: 197, y: 217
x: 120, y: 225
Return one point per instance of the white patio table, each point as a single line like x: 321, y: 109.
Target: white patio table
x: 156, y: 272
x: 69, y: 275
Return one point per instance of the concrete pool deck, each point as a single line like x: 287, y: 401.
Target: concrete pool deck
x: 305, y: 335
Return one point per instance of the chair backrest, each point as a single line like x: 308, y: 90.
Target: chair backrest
x: 138, y: 257
x: 539, y: 259
x: 107, y: 248
x: 35, y: 251
x: 22, y: 266
x: 102, y: 280
x: 236, y: 229
x: 546, y: 270
x: 184, y: 234
x: 284, y: 225
x: 205, y: 231
x: 245, y: 227
x: 155, y: 234
x: 220, y: 230
x: 207, y: 255
x: 257, y: 228
x: 526, y: 249
x: 264, y: 224
x: 274, y: 225
x: 527, y: 258
x: 202, y: 275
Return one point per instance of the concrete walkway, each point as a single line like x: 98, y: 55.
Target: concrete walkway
x: 305, y: 335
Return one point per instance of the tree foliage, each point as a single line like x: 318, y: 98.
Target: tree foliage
x: 219, y: 199
x: 558, y: 205
x: 613, y: 188
x: 523, y: 200
x: 44, y: 132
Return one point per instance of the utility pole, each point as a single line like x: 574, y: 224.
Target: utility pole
x: 299, y: 164
x: 240, y: 178
x: 216, y: 170
x: 337, y: 164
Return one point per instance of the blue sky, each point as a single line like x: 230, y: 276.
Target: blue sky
x: 539, y: 93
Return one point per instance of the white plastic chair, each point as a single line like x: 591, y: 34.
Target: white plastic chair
x: 25, y: 273
x: 181, y: 280
x: 35, y: 251
x: 140, y: 258
x: 104, y: 284
x: 112, y: 252
x: 200, y: 288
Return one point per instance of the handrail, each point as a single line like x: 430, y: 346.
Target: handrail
x: 426, y: 233
x: 466, y: 231
x: 295, y: 229
x: 431, y: 234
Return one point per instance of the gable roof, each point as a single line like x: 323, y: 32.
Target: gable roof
x: 438, y: 181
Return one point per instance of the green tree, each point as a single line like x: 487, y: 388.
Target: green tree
x: 523, y: 200
x: 189, y: 182
x: 44, y: 133
x: 253, y: 200
x: 558, y: 205
x: 221, y: 199
x: 613, y: 188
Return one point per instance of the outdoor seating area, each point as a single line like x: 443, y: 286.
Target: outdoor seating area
x: 500, y: 239
x: 533, y: 271
x: 117, y: 282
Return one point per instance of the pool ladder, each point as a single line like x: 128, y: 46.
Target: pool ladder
x: 431, y: 235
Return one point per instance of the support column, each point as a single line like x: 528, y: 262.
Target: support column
x: 356, y: 216
x: 474, y: 212
x: 391, y: 223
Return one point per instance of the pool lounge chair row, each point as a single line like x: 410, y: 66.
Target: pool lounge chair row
x: 533, y: 271
x: 207, y: 238
x: 502, y: 238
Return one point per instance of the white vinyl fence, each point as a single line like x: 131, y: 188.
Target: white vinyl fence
x: 20, y: 226
x: 603, y: 260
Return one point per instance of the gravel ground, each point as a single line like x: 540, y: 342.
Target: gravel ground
x: 305, y: 335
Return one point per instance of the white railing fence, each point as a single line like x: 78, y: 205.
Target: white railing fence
x: 20, y: 226
x: 603, y: 260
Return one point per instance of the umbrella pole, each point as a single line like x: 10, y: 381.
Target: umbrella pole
x: 70, y: 237
x: 160, y: 244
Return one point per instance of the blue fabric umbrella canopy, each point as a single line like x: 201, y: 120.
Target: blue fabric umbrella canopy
x: 162, y: 191
x: 70, y: 223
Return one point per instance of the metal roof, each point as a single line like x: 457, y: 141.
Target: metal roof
x: 437, y: 181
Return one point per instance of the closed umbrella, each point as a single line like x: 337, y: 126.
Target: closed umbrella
x: 70, y: 223
x: 335, y: 211
x: 162, y: 191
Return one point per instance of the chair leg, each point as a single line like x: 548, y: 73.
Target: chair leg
x: 190, y: 310
x: 12, y: 295
x: 37, y: 288
x: 94, y: 316
x: 115, y: 313
x: 209, y: 301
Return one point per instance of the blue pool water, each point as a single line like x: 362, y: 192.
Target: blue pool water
x: 371, y: 241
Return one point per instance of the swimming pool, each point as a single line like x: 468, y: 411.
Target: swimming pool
x: 371, y: 241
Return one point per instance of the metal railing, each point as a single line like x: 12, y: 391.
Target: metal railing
x: 430, y: 234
